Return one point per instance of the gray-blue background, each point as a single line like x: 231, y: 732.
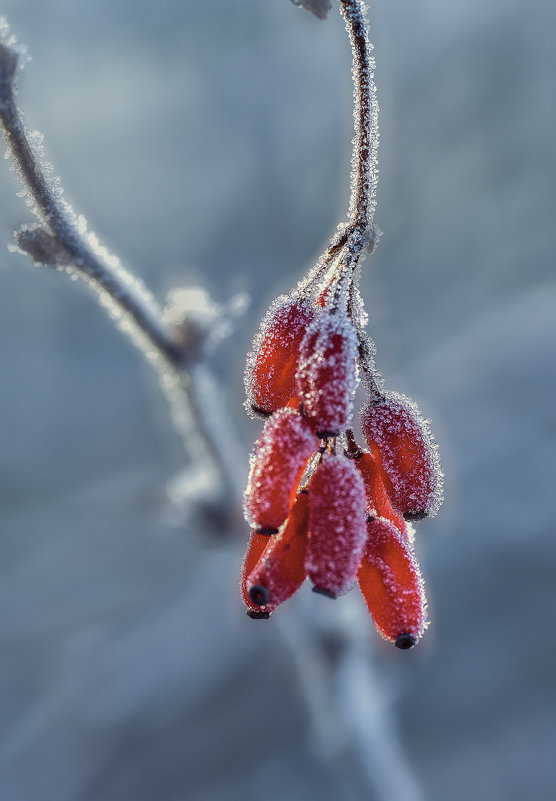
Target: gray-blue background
x: 208, y: 142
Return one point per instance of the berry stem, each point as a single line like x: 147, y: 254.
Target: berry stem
x: 364, y: 165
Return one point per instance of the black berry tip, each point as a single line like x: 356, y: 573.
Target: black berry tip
x: 327, y: 434
x: 267, y: 531
x: 260, y: 412
x: 254, y: 615
x: 326, y: 593
x: 414, y: 516
x: 259, y: 594
x: 405, y: 641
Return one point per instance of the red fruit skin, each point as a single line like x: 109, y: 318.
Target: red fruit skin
x: 394, y: 427
x: 376, y: 490
x: 281, y: 568
x: 277, y: 464
x: 272, y: 364
x: 257, y: 545
x: 327, y: 373
x: 391, y: 584
x: 337, y: 525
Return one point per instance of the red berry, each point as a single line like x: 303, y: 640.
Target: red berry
x: 337, y: 529
x: 327, y: 374
x: 256, y: 546
x: 391, y: 584
x: 278, y: 462
x: 378, y: 500
x: 408, y: 452
x: 272, y: 364
x: 280, y: 571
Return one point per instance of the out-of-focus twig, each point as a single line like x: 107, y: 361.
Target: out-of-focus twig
x: 61, y: 240
x: 338, y: 675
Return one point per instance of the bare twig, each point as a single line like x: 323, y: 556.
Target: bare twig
x: 61, y: 240
x: 364, y: 165
x: 333, y: 660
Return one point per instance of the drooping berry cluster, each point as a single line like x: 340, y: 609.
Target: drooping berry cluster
x: 319, y: 506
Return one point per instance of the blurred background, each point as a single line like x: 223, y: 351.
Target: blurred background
x: 208, y: 144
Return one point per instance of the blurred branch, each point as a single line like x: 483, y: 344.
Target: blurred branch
x: 344, y: 697
x: 174, y: 347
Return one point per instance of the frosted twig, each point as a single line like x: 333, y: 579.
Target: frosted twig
x: 61, y: 240
x: 364, y: 164
x: 68, y: 244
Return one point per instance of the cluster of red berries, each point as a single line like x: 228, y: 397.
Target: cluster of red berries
x: 319, y: 506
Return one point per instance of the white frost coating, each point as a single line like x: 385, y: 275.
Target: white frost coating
x: 277, y: 463
x: 327, y: 374
x: 397, y: 602
x: 272, y: 362
x: 10, y: 41
x: 364, y: 166
x: 408, y: 450
x: 337, y: 527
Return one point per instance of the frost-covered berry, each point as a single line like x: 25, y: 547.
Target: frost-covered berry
x: 378, y: 500
x: 337, y: 525
x: 278, y: 462
x: 280, y: 571
x: 392, y: 586
x: 408, y: 453
x: 327, y: 374
x: 256, y: 546
x: 272, y: 363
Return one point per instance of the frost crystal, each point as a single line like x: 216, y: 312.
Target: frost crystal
x: 336, y: 525
x: 394, y: 425
x: 277, y: 463
x: 272, y: 363
x: 392, y: 586
x: 327, y: 376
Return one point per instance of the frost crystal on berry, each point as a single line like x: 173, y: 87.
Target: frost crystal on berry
x: 277, y: 464
x: 393, y: 424
x: 280, y: 570
x: 327, y: 374
x: 337, y: 525
x: 338, y: 512
x: 391, y: 583
x: 272, y: 363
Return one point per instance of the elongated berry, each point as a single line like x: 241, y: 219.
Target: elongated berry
x: 327, y: 374
x: 272, y: 363
x: 378, y: 499
x: 280, y: 571
x: 337, y: 525
x: 391, y: 584
x: 256, y: 546
x: 408, y: 453
x: 277, y: 465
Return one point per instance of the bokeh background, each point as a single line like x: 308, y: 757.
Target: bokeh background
x: 208, y: 143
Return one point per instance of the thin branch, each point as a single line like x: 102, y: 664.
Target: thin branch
x: 364, y: 165
x: 81, y: 250
x: 62, y: 241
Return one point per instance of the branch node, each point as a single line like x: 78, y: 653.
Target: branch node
x: 42, y: 247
